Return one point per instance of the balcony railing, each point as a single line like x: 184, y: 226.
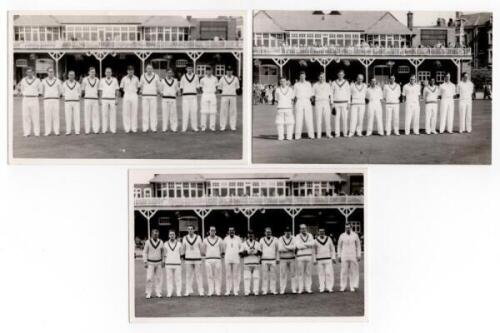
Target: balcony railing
x: 360, y: 51
x: 249, y: 201
x: 117, y: 45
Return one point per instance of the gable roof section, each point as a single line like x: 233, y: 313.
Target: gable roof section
x: 302, y: 20
x: 476, y: 19
x: 263, y: 22
x: 388, y: 24
x: 30, y: 20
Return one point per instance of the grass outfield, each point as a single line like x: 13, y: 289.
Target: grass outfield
x: 473, y: 148
x: 317, y: 304
x: 189, y: 145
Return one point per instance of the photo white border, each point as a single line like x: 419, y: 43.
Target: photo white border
x: 246, y: 82
x: 133, y: 173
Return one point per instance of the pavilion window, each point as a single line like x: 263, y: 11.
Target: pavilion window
x: 223, y: 192
x: 174, y: 34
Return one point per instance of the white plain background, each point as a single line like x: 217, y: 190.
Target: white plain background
x: 433, y: 230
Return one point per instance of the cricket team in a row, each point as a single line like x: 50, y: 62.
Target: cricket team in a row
x: 101, y: 97
x: 350, y: 102
x: 292, y: 258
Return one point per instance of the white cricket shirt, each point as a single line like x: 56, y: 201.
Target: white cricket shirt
x: 209, y: 85
x: 232, y: 248
x: 192, y: 247
x: 447, y: 90
x: 324, y: 248
x: 322, y: 91
x: 72, y: 91
x: 51, y: 88
x: 152, y: 251
x: 411, y: 92
x: 129, y: 85
x: 465, y: 90
x: 431, y: 94
x: 149, y: 84
x: 349, y: 246
x: 168, y: 87
x: 189, y: 84
x: 269, y: 248
x: 302, y: 90
x: 392, y: 93
x: 213, y: 247
x: 108, y: 87
x: 341, y: 91
x: 358, y: 93
x: 229, y: 85
x: 30, y: 88
x: 304, y: 244
x: 172, y: 252
x: 286, y: 247
x: 374, y: 94
x: 284, y: 97
x: 90, y: 87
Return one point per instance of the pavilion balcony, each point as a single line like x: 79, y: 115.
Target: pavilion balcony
x: 261, y: 51
x: 188, y: 45
x: 235, y: 202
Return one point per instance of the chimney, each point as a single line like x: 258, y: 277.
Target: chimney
x: 409, y: 20
x: 458, y: 15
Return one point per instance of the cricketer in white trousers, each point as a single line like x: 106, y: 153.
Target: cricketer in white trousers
x: 214, y: 276
x: 303, y: 111
x: 91, y: 115
x: 108, y: 111
x: 304, y: 273
x: 169, y: 113
x: 189, y: 112
x: 51, y: 115
x: 357, y: 118
x: 193, y: 267
x: 130, y: 112
x: 323, y: 112
x: 392, y: 118
x: 72, y: 116
x: 447, y: 110
x: 268, y: 276
x: 149, y: 113
x: 284, y: 120
x: 465, y: 114
x: 349, y: 268
x: 251, y: 275
x: 374, y: 113
x: 173, y: 274
x: 341, y: 112
x: 288, y: 270
x: 325, y: 274
x: 412, y: 114
x: 228, y: 108
x: 233, y: 277
x: 154, y: 276
x: 31, y: 116
x: 208, y: 110
x: 431, y: 111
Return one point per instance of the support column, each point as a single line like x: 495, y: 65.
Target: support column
x: 57, y: 55
x: 194, y: 55
x: 202, y: 213
x: 143, y: 55
x: 293, y: 212
x: 366, y: 62
x: 458, y: 63
x: 323, y: 61
x: 148, y: 214
x: 238, y: 55
x: 280, y: 62
x: 99, y: 55
x: 248, y: 212
x: 416, y: 62
x: 347, y: 211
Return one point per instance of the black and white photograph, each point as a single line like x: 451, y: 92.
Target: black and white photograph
x: 121, y: 85
x: 247, y: 245
x: 372, y: 87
